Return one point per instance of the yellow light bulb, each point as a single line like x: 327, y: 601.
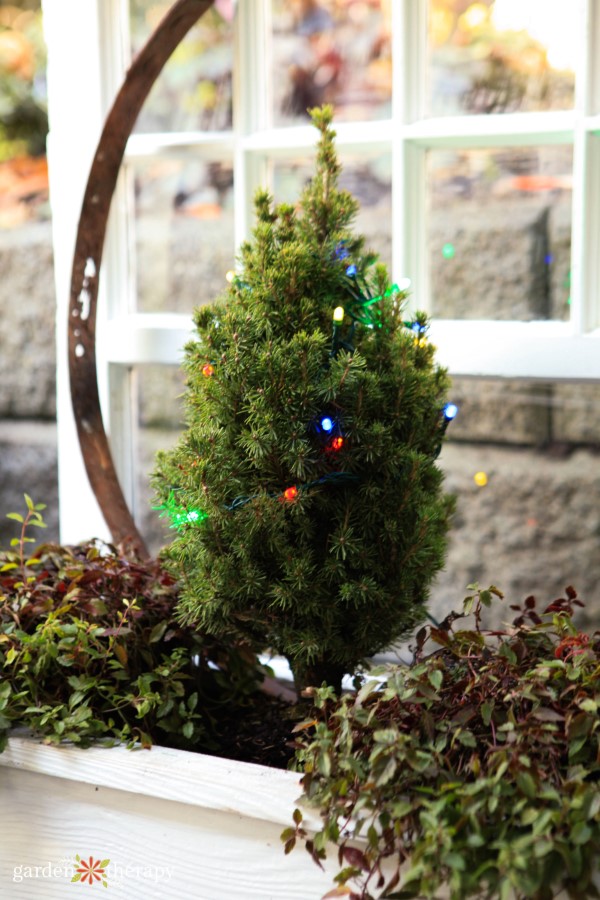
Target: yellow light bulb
x: 480, y: 479
x: 338, y: 314
x: 229, y: 276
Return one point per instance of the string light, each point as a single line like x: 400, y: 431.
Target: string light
x: 233, y: 278
x: 450, y: 411
x: 333, y: 478
x: 180, y: 515
x: 291, y: 493
x: 338, y: 314
x: 208, y: 370
x: 341, y: 251
x: 418, y: 328
x: 336, y: 443
x: 448, y: 251
x: 326, y: 423
x: 480, y: 479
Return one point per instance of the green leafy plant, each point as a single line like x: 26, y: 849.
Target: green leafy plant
x: 305, y: 490
x: 89, y: 649
x: 476, y: 767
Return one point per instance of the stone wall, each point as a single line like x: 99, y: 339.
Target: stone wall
x: 533, y: 528
x: 27, y: 376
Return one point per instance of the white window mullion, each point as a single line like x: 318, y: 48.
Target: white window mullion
x: 409, y: 24
x: 76, y: 109
x: 506, y: 130
x: 252, y: 105
x: 546, y: 351
x: 585, y: 308
x: 117, y: 387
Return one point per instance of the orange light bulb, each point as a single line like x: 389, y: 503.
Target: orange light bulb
x: 290, y: 493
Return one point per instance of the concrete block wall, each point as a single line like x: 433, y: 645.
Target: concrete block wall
x: 28, y: 460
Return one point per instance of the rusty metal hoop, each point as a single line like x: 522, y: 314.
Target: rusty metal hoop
x: 87, y: 258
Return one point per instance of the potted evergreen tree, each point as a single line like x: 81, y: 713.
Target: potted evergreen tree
x: 310, y: 521
x: 305, y: 488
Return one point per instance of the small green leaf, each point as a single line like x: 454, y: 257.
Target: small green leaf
x: 581, y: 833
x: 436, y: 678
x: 486, y: 709
x: 15, y: 516
x: 526, y: 784
x: 157, y: 632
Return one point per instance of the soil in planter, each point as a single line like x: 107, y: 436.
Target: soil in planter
x: 260, y: 732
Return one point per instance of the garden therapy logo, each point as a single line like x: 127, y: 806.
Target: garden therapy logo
x: 91, y: 870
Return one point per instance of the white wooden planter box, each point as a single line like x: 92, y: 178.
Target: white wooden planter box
x: 173, y: 825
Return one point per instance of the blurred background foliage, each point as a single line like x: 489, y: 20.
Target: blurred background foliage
x: 23, y: 108
x: 23, y: 114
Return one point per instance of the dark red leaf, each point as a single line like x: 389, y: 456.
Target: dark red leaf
x: 356, y: 858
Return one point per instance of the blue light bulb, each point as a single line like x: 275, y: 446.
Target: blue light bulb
x: 326, y: 423
x: 450, y: 411
x: 351, y: 270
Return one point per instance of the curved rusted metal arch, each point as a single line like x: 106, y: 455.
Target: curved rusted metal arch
x: 89, y: 245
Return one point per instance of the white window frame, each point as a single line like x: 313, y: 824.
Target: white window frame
x: 83, y: 77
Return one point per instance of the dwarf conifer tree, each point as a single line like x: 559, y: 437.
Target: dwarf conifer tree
x: 305, y: 490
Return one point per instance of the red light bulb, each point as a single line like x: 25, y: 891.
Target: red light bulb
x: 290, y: 493
x: 337, y: 443
x: 208, y: 370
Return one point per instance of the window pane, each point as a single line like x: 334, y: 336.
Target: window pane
x: 369, y: 180
x: 502, y: 56
x: 184, y: 232
x: 160, y: 422
x: 499, y: 232
x: 332, y: 52
x: 193, y: 91
x: 522, y: 460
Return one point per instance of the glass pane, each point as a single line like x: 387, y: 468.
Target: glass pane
x: 184, y: 232
x: 522, y: 461
x: 368, y: 179
x: 332, y: 51
x: 499, y: 232
x: 160, y: 422
x: 193, y: 91
x: 502, y: 56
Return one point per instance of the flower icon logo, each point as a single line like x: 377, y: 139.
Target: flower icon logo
x: 91, y: 870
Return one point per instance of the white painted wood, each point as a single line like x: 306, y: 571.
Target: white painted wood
x: 75, y: 108
x: 197, y: 144
x: 530, y: 350
x: 193, y: 826
x: 148, y: 338
x: 538, y: 350
x: 506, y: 130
